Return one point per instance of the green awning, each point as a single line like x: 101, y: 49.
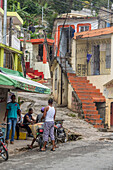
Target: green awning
x: 14, y: 78
x: 11, y: 72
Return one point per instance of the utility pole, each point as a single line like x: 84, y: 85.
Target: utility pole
x: 46, y: 45
x: 5, y: 28
x: 24, y: 44
x: 42, y: 14
x: 5, y: 22
x: 10, y: 31
x: 108, y: 13
x: 10, y: 41
x: 23, y: 55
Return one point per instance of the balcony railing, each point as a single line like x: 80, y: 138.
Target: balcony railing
x: 15, y: 42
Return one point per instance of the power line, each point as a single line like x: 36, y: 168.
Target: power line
x: 94, y: 6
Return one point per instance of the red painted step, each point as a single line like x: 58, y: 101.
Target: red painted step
x: 90, y: 111
x: 88, y: 107
x: 92, y: 116
x: 88, y: 94
x: 94, y: 121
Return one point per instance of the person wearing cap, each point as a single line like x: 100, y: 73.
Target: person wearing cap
x: 39, y: 116
x: 38, y: 119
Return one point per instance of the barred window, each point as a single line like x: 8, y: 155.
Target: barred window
x: 108, y: 56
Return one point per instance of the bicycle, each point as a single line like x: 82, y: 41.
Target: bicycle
x: 3, y: 147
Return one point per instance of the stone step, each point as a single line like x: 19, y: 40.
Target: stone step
x: 99, y: 99
x: 86, y: 100
x: 84, y: 88
x: 83, y: 85
x: 98, y: 126
x: 71, y: 74
x: 92, y: 116
x: 88, y: 91
x: 94, y: 121
x: 88, y: 104
x: 89, y: 107
x: 78, y: 79
x: 90, y: 111
x: 85, y: 95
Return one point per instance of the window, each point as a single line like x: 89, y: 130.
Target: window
x: 56, y: 78
x: 40, y: 52
x: 83, y: 27
x: 108, y: 56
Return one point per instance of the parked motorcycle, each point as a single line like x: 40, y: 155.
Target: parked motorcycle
x: 59, y: 133
x: 39, y: 137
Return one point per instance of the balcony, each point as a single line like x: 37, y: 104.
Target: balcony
x: 15, y: 42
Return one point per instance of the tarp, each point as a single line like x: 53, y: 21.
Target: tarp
x: 11, y: 72
x: 19, y: 82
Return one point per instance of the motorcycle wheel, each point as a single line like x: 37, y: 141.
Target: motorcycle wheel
x: 40, y: 142
x: 4, y: 153
x: 56, y: 136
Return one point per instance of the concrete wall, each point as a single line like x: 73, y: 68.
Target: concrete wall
x: 57, y: 92
x: 99, y: 81
x: 3, y: 103
x: 43, y: 68
x: 108, y: 110
x: 29, y: 48
x: 70, y: 89
x: 73, y: 54
x: 64, y: 90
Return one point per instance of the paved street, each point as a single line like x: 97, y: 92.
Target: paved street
x: 80, y: 155
x: 93, y: 152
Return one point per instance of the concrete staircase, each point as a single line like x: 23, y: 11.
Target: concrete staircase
x: 88, y: 95
x: 85, y: 96
x: 33, y: 73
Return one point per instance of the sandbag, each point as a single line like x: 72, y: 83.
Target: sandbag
x: 34, y: 128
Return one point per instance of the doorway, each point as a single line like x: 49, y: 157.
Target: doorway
x: 111, y: 115
x: 97, y: 60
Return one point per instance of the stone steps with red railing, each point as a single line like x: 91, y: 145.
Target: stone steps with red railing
x: 88, y: 95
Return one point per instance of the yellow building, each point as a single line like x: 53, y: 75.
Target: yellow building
x: 10, y: 57
x: 85, y: 84
x: 92, y: 56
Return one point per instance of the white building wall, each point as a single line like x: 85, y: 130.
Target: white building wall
x: 94, y: 24
x: 43, y: 68
x: 0, y: 29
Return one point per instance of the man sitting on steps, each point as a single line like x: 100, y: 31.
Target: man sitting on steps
x: 28, y: 119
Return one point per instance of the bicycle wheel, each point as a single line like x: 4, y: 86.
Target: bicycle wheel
x: 4, y: 154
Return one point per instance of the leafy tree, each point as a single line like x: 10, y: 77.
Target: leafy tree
x: 31, y: 10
